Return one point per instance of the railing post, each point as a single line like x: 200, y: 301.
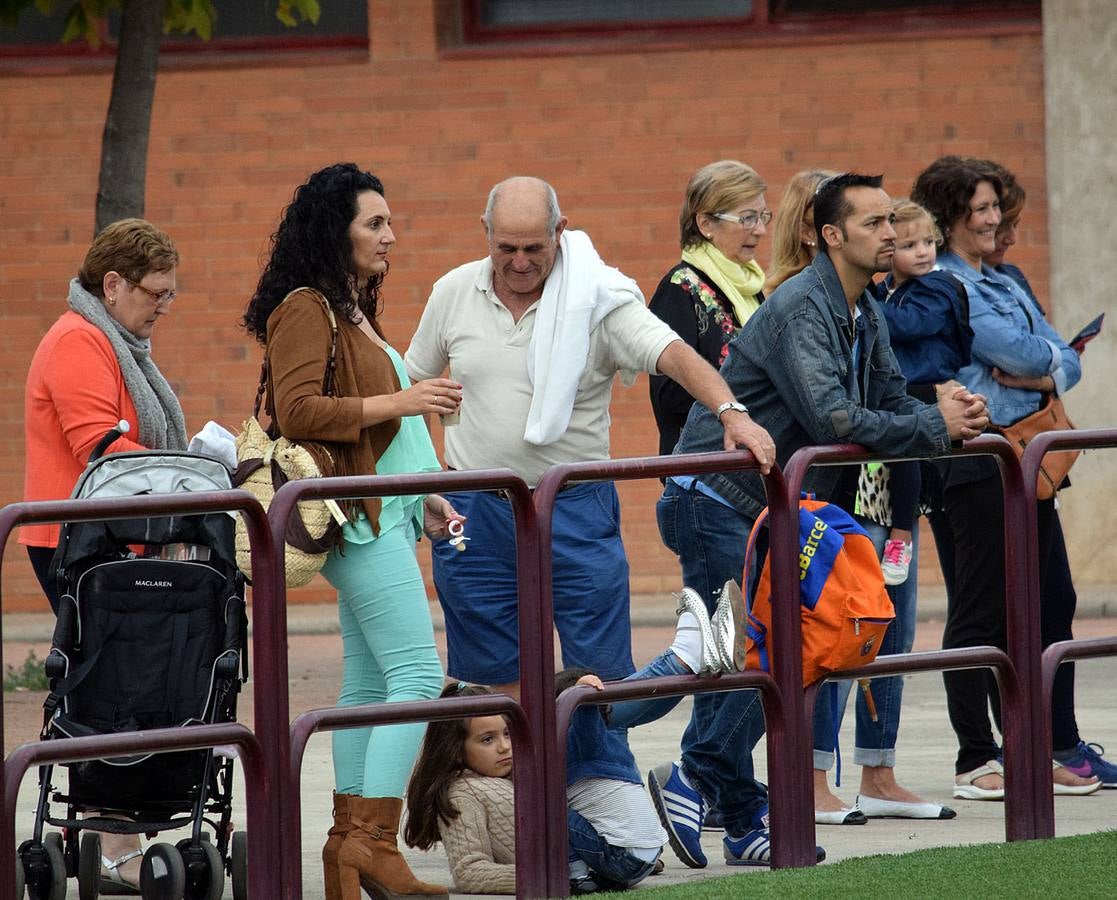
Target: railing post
x: 1029, y: 802
x: 261, y: 792
x: 537, y: 690
x: 790, y: 774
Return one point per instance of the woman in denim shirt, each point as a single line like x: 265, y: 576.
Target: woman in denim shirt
x: 1017, y: 358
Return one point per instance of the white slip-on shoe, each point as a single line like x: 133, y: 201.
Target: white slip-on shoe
x: 876, y: 808
x: 845, y: 816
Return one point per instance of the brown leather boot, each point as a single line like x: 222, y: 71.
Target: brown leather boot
x: 369, y: 857
x: 335, y: 836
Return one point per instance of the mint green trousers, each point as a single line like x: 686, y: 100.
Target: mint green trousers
x: 388, y: 641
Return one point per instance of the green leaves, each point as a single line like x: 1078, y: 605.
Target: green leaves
x: 189, y: 17
x: 290, y: 11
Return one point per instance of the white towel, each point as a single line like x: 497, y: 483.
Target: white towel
x: 580, y: 291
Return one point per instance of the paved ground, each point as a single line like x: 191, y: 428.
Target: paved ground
x: 926, y: 748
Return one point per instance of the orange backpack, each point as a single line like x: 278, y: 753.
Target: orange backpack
x: 845, y: 608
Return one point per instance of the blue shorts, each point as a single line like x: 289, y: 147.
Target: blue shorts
x: 477, y: 588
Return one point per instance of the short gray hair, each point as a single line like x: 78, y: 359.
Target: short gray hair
x: 553, y: 211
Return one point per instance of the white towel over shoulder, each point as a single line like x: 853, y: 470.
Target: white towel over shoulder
x: 580, y: 291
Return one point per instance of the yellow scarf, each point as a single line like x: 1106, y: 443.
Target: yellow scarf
x: 740, y: 283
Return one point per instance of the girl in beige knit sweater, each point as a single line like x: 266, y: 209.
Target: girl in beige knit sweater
x: 461, y: 795
x: 461, y: 791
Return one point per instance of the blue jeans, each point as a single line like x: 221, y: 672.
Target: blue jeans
x: 589, y: 577
x: 709, y: 538
x: 631, y: 713
x: 390, y: 656
x: 875, y: 741
x: 612, y: 864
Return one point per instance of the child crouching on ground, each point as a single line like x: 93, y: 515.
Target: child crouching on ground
x: 461, y: 790
x: 929, y: 327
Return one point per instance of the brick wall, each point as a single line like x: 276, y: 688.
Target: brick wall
x: 617, y: 134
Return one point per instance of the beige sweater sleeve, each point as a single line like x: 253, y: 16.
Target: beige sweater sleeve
x: 477, y: 838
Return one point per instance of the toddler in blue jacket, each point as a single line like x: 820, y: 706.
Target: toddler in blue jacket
x: 928, y: 325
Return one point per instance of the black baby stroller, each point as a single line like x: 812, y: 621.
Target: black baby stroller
x: 151, y: 633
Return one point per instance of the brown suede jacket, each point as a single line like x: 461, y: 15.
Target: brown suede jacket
x: 297, y: 349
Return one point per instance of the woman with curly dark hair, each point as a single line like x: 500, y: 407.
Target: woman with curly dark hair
x: 330, y: 255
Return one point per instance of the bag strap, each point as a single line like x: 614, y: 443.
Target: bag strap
x: 331, y: 358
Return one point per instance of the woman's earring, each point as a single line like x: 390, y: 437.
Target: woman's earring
x: 112, y: 301
x: 706, y: 236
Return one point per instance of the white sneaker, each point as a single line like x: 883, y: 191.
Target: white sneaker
x: 895, y: 561
x: 690, y: 601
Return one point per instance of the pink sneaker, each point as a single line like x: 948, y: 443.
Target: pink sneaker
x: 895, y: 562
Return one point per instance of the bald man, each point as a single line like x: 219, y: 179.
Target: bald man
x: 535, y: 332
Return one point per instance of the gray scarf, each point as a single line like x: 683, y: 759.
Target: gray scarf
x: 162, y: 425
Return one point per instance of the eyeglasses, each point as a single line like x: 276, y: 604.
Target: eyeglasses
x: 161, y: 298
x: 749, y: 220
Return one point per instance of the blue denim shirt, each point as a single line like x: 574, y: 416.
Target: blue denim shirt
x: 792, y: 366
x: 1011, y: 334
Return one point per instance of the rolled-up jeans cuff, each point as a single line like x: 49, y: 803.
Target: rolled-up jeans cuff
x: 865, y: 756
x: 824, y: 760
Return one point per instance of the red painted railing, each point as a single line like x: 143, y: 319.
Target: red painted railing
x: 263, y: 812
x: 535, y: 703
x: 1063, y: 651
x: 274, y: 755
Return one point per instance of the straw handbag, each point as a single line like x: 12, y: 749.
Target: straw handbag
x: 266, y: 463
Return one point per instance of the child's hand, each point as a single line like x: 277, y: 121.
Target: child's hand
x: 592, y: 681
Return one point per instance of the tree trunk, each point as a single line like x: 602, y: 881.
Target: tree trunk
x: 120, y: 188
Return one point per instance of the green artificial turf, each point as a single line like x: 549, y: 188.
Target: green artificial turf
x: 1078, y: 867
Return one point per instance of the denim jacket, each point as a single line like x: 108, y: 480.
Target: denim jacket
x: 792, y: 366
x: 1011, y: 334
x: 928, y: 325
x: 594, y: 750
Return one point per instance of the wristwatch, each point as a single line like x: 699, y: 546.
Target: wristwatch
x: 730, y: 404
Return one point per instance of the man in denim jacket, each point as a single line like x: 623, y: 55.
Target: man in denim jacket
x: 813, y: 366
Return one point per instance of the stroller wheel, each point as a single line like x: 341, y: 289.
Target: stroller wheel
x: 44, y: 868
x: 89, y: 866
x: 238, y: 864
x: 19, y: 877
x: 205, y: 870
x: 162, y: 873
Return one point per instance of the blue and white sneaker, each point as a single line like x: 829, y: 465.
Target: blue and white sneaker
x: 1086, y: 761
x: 754, y: 849
x: 681, y: 810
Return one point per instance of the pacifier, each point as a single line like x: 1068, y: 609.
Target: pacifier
x: 457, y: 535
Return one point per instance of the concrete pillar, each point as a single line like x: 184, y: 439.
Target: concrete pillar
x: 1080, y: 62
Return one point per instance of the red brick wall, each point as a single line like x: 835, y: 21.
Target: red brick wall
x: 617, y: 134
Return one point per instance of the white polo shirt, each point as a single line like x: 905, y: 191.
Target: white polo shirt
x: 467, y: 329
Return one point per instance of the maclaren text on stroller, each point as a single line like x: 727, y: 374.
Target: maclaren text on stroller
x: 151, y: 633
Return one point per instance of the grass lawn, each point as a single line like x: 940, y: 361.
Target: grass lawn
x: 1080, y: 867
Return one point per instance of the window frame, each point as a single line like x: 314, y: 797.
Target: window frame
x: 766, y: 20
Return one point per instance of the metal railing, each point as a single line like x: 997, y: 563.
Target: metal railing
x: 1027, y: 762
x: 790, y: 780
x: 1063, y: 651
x: 274, y: 754
x: 263, y: 813
x: 534, y: 703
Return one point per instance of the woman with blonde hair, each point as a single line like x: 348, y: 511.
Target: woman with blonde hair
x: 717, y: 285
x: 794, y: 242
